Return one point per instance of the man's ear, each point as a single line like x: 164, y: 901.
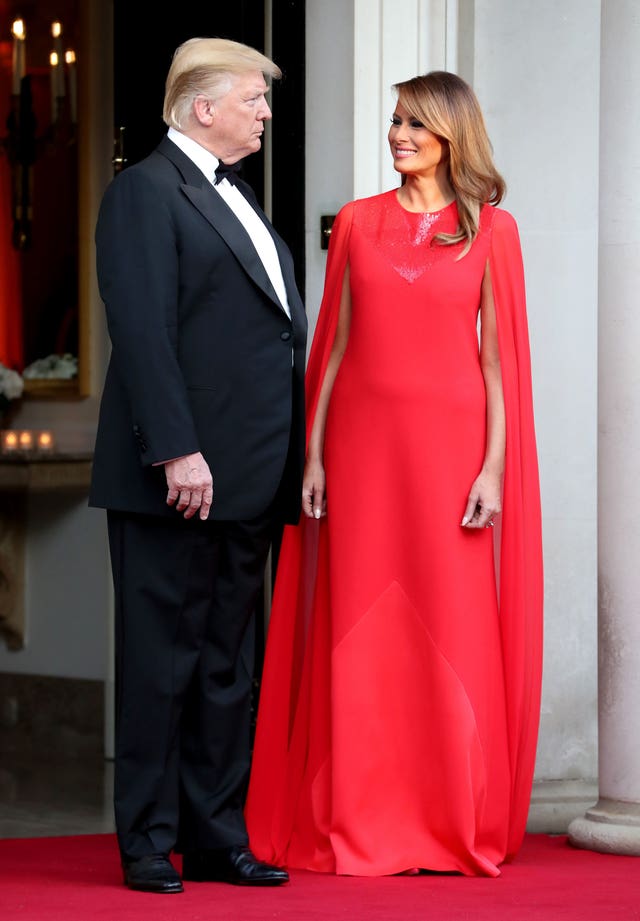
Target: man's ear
x: 204, y: 110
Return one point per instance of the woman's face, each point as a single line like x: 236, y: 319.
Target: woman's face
x: 413, y: 147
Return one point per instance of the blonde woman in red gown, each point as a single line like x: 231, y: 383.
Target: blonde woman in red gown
x: 399, y: 706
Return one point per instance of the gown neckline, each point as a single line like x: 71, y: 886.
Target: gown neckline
x: 420, y: 213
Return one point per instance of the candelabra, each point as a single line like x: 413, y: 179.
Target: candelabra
x: 22, y: 143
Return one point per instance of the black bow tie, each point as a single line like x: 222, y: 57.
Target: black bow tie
x: 227, y: 171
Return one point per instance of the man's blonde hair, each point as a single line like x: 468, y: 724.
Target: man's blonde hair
x: 204, y: 67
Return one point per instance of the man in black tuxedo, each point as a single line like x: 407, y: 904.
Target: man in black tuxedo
x: 199, y: 454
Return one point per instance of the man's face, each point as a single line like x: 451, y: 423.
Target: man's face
x: 239, y: 117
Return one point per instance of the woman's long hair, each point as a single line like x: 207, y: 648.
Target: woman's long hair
x: 448, y: 107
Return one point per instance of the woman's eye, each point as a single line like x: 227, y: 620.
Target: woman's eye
x: 415, y: 123
x: 395, y: 120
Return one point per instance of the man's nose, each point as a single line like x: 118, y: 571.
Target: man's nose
x: 265, y: 113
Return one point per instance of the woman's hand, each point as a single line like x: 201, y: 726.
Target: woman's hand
x: 314, y: 502
x: 484, y: 501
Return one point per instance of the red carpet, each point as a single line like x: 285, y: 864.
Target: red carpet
x: 77, y: 878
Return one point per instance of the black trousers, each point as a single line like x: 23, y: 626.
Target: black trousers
x: 185, y: 595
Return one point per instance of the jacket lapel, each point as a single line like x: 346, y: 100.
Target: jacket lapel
x: 286, y: 263
x: 215, y: 210
x: 284, y: 255
x: 221, y: 217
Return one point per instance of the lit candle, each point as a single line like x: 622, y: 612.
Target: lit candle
x: 56, y: 31
x: 70, y: 58
x: 9, y: 441
x: 45, y: 441
x: 53, y: 61
x: 18, y: 66
x: 25, y: 440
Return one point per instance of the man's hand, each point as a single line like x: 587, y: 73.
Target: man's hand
x: 190, y: 485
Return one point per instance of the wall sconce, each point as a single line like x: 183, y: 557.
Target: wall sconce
x: 326, y: 226
x: 22, y: 142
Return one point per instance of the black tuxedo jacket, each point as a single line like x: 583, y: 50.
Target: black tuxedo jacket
x: 201, y: 354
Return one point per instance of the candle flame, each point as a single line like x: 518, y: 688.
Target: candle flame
x: 70, y: 56
x: 53, y: 59
x: 56, y: 29
x: 18, y: 30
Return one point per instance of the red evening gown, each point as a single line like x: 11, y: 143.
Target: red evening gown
x: 399, y: 705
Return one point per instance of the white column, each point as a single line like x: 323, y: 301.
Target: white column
x: 613, y: 825
x: 393, y: 41
x: 543, y: 123
x: 356, y: 51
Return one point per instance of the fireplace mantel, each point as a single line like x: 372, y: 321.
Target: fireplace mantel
x: 20, y: 476
x: 46, y: 472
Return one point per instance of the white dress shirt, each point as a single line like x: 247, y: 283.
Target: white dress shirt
x: 250, y: 220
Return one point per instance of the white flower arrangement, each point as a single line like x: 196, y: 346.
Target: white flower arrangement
x: 58, y: 367
x: 11, y: 386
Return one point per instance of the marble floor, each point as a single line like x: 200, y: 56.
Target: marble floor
x: 41, y: 798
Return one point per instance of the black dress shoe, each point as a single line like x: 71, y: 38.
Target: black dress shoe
x: 231, y: 865
x: 152, y: 873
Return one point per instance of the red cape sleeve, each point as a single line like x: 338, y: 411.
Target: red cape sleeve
x: 520, y: 574
x: 301, y: 582
x: 325, y: 331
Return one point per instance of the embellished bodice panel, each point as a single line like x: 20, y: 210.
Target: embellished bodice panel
x: 405, y: 239
x: 414, y: 297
